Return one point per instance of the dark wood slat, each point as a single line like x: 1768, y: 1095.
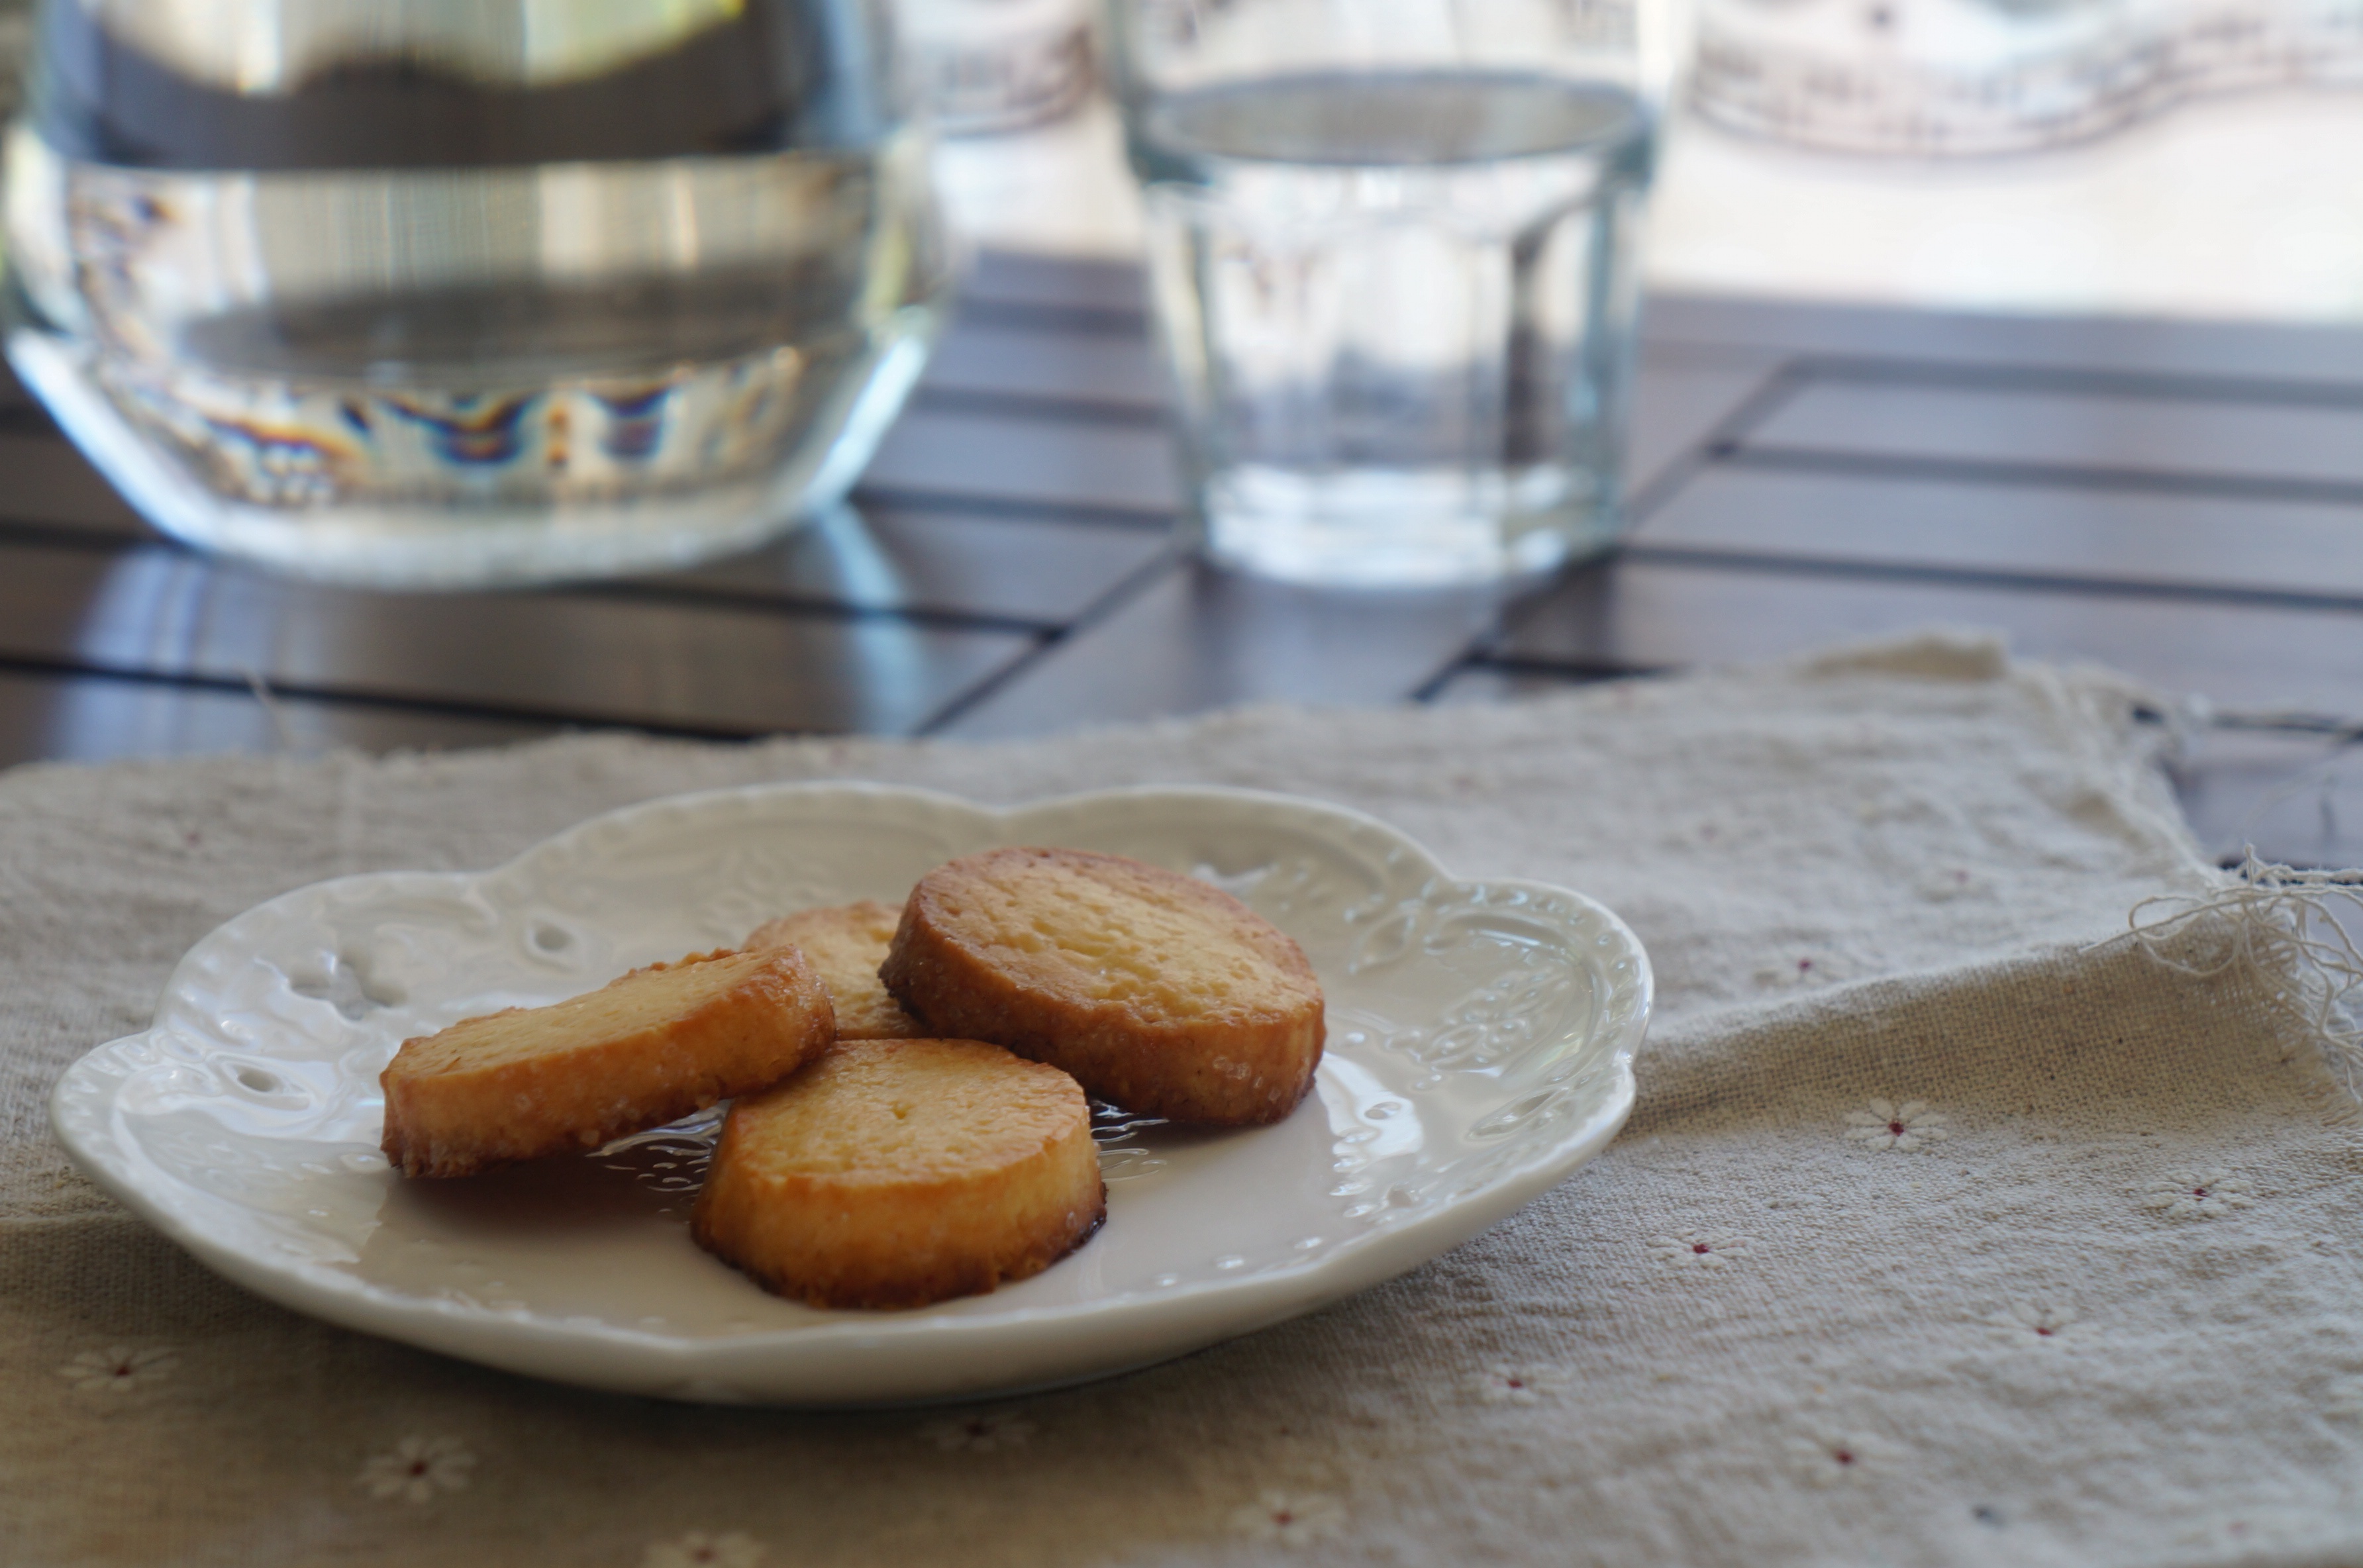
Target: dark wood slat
x: 2203, y: 543
x: 1121, y: 372
x: 44, y: 480
x: 2140, y: 434
x: 2298, y: 799
x: 1198, y: 639
x: 97, y: 719
x: 1657, y: 614
x: 953, y: 457
x: 1682, y: 395
x: 1018, y: 278
x: 548, y: 657
x: 941, y: 563
x: 2127, y: 346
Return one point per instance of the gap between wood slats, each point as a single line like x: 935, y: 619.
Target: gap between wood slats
x: 906, y: 498
x: 351, y: 697
x: 2155, y: 386
x: 2058, y: 476
x: 1003, y: 404
x: 684, y: 589
x: 691, y: 595
x: 1985, y: 577
x: 2273, y: 445
x: 1029, y: 315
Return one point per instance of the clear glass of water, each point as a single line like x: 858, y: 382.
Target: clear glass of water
x: 451, y: 293
x: 1392, y: 250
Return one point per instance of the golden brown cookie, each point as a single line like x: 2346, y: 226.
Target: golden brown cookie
x: 846, y: 943
x: 641, y: 1051
x: 1157, y: 991
x: 895, y: 1173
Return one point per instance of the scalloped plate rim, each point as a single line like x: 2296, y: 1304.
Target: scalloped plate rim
x: 510, y: 1339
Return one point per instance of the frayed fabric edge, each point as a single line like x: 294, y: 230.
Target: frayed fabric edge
x: 2274, y: 927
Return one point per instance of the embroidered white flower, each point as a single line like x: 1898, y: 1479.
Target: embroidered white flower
x: 118, y: 1369
x: 2342, y: 1400
x: 418, y: 1468
x: 1504, y: 1385
x: 1833, y: 1459
x: 2033, y: 1320
x: 1903, y: 1128
x: 1289, y: 1518
x: 697, y: 1550
x: 1699, y: 1249
x: 2197, y: 1194
x: 981, y: 1433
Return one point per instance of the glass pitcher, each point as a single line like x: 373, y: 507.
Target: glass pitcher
x: 452, y: 292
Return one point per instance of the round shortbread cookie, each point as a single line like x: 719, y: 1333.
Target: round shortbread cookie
x: 895, y: 1173
x: 644, y: 1050
x: 1157, y: 991
x: 846, y: 943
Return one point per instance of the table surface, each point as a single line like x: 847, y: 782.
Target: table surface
x: 2180, y: 501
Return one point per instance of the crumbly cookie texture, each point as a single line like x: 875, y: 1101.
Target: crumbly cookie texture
x: 644, y: 1050
x: 896, y: 1173
x: 846, y: 943
x: 1157, y: 991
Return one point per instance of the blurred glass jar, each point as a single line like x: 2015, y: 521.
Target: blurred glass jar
x: 450, y: 293
x: 985, y: 66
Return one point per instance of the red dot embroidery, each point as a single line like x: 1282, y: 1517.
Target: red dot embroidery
x: 1843, y: 1456
x: 1700, y: 1247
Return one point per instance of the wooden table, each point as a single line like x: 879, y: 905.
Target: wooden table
x: 2182, y: 501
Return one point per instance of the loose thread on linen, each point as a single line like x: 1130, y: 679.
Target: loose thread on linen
x: 2278, y: 928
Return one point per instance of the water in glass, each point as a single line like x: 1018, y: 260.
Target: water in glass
x: 1399, y: 307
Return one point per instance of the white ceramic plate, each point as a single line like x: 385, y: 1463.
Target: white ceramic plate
x: 1480, y: 1045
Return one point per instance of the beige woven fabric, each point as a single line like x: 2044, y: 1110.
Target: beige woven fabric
x: 2016, y: 1254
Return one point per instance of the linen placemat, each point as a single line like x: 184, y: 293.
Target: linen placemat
x: 1940, y: 1234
